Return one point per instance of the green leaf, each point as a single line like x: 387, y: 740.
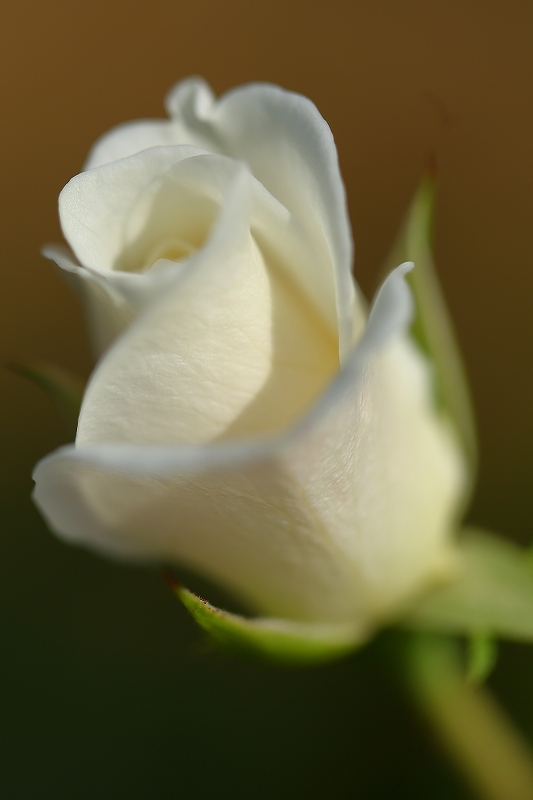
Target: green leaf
x: 277, y: 640
x: 492, y: 594
x: 65, y: 389
x: 433, y: 327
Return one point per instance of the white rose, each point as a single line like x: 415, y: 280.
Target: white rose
x: 249, y: 423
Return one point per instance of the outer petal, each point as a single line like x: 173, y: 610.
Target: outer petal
x: 129, y: 138
x: 381, y: 470
x: 340, y: 519
x: 289, y: 149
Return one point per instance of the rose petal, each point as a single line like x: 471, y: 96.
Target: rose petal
x: 289, y: 149
x: 96, y: 207
x: 340, y: 519
x: 129, y: 138
x: 233, y: 350
x: 119, y: 216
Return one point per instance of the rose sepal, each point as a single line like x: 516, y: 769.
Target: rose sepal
x: 491, y: 595
x: 64, y: 389
x: 281, y: 641
x: 432, y: 326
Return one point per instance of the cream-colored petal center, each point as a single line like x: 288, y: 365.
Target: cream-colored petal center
x: 173, y: 248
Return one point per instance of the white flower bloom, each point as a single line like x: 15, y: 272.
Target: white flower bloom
x: 249, y: 423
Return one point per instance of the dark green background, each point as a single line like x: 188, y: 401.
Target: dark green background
x: 106, y: 691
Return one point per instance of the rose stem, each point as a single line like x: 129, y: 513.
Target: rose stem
x: 470, y: 725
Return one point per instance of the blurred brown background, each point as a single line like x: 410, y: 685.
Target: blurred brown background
x: 103, y: 695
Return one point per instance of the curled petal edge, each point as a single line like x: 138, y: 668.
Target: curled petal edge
x: 108, y: 312
x: 113, y: 299
x: 118, y: 295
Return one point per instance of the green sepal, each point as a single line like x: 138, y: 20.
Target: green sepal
x: 432, y: 327
x: 481, y: 657
x: 281, y: 641
x: 492, y: 594
x: 65, y: 389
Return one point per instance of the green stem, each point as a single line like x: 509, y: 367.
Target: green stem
x: 470, y: 725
